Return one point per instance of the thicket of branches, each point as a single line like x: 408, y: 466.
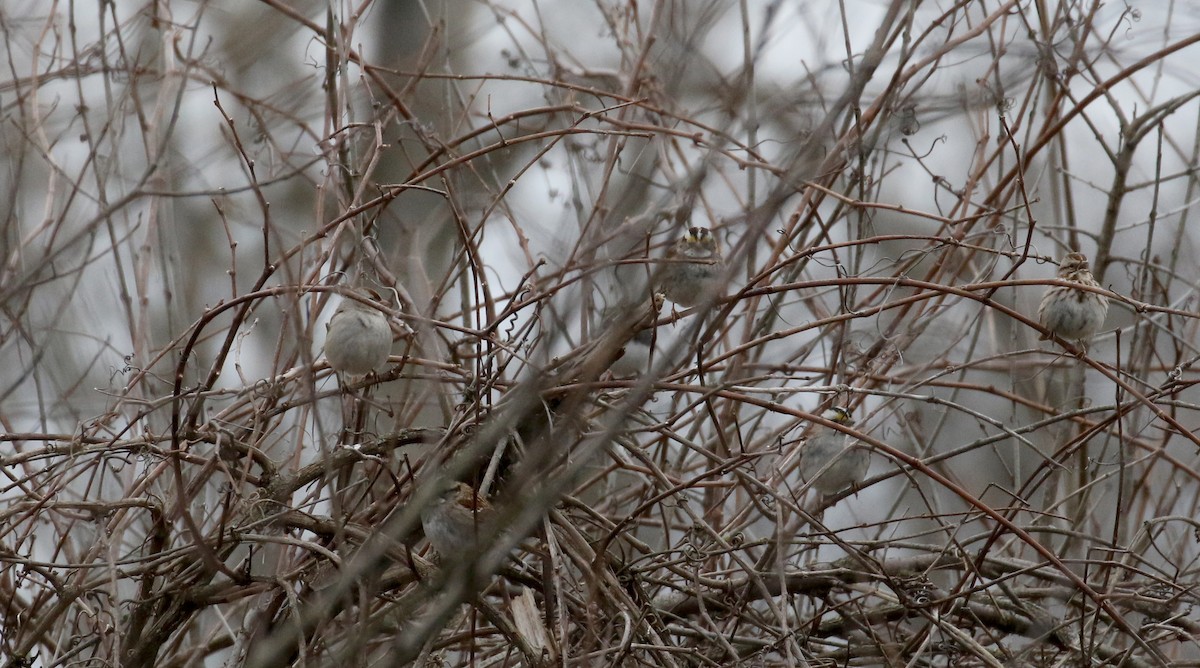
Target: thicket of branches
x: 189, y: 185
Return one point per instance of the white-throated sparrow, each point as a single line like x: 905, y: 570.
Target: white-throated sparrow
x: 1073, y: 314
x: 831, y: 460
x: 358, y: 338
x: 692, y: 269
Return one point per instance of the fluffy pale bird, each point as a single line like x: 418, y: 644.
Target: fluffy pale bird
x: 358, y: 338
x: 831, y: 460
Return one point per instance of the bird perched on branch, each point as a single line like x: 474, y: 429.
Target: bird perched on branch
x: 455, y: 520
x: 1071, y: 313
x: 830, y: 460
x: 358, y: 338
x: 692, y: 268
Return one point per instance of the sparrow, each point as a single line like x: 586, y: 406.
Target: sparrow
x: 692, y: 269
x: 358, y: 338
x: 831, y: 460
x: 454, y: 521
x: 1071, y: 313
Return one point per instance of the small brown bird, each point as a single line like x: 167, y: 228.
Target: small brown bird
x: 693, y: 268
x: 1071, y: 313
x: 358, y: 338
x: 831, y: 460
x: 454, y: 521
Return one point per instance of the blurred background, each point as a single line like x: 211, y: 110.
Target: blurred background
x: 192, y: 186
